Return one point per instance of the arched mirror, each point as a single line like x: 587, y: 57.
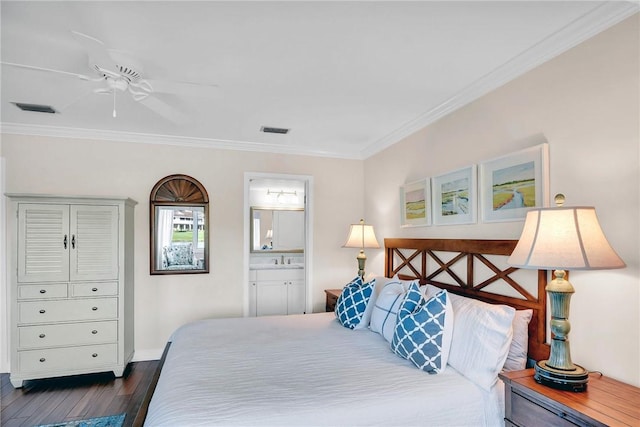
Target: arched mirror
x: 179, y: 219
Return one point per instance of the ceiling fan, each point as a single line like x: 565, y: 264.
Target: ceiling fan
x: 122, y: 73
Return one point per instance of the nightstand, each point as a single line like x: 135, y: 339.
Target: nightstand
x: 332, y: 298
x: 606, y: 402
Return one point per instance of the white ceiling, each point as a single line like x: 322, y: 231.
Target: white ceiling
x: 348, y: 78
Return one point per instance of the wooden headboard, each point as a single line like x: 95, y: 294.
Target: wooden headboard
x: 423, y: 259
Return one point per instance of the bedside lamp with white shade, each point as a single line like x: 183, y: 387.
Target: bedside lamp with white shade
x: 559, y: 239
x: 361, y: 236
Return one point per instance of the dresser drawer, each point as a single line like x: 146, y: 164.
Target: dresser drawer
x: 56, y: 290
x: 525, y: 412
x: 59, y: 335
x: 70, y: 358
x: 67, y: 310
x: 94, y: 289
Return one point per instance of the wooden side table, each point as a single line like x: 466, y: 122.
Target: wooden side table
x: 606, y: 402
x: 332, y: 298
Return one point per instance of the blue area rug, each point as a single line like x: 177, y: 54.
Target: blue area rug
x: 109, y: 421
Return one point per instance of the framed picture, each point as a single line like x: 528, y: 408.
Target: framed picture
x: 513, y: 184
x: 415, y: 198
x: 454, y: 197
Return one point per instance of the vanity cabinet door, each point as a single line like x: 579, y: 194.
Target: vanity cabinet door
x: 295, y: 297
x: 271, y: 298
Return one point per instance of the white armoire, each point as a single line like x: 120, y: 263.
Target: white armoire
x: 71, y: 267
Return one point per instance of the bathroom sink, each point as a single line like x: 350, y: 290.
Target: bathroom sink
x: 274, y: 266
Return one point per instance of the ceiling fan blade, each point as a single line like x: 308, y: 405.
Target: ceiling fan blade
x: 50, y: 70
x: 184, y: 88
x: 164, y: 110
x: 98, y: 53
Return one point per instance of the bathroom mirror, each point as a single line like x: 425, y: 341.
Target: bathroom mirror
x: 179, y: 223
x: 277, y: 230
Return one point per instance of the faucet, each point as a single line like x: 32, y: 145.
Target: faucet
x: 281, y: 259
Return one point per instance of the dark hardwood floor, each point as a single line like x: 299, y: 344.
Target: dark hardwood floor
x: 71, y: 398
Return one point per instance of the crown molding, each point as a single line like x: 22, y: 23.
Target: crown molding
x: 606, y: 15
x: 181, y: 141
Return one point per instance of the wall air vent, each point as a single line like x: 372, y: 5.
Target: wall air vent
x: 271, y: 129
x: 35, y: 107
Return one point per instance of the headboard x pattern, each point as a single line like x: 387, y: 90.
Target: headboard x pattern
x: 415, y: 254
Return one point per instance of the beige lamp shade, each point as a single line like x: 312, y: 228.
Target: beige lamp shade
x: 564, y: 238
x: 361, y: 236
x: 269, y: 234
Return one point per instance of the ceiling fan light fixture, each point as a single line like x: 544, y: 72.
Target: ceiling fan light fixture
x: 36, y: 108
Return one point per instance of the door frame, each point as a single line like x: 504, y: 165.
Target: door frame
x: 308, y: 244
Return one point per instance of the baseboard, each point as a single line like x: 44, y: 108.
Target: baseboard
x: 147, y: 354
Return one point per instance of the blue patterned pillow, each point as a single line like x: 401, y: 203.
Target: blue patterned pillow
x: 353, y: 307
x: 424, y: 330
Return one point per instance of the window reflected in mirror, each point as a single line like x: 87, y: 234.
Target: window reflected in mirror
x: 179, y: 226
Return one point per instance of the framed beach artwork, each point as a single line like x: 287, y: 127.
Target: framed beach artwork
x: 512, y: 185
x: 454, y: 197
x: 415, y: 199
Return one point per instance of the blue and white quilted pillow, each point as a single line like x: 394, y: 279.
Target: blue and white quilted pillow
x: 353, y: 307
x: 424, y: 330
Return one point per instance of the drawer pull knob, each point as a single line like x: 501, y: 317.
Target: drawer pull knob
x: 94, y: 308
x: 94, y: 355
x: 94, y: 289
x: 42, y: 335
x: 42, y: 311
x: 42, y: 359
x: 43, y: 291
x: 94, y: 332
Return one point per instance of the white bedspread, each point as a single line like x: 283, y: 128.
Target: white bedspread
x: 306, y: 370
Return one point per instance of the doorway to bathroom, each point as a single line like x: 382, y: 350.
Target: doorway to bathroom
x: 278, y: 224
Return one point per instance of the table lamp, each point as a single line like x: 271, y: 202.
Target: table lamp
x: 562, y: 238
x: 361, y: 236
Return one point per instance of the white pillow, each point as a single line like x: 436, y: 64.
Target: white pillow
x: 517, y: 357
x: 482, y: 336
x: 385, y: 308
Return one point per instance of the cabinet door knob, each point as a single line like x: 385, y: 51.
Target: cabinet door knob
x: 42, y: 359
x: 94, y: 308
x: 42, y: 311
x: 94, y: 332
x: 73, y: 241
x: 41, y: 335
x: 64, y: 241
x: 94, y: 289
x: 43, y: 291
x: 94, y: 355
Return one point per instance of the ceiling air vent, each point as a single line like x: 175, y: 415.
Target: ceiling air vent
x: 271, y: 129
x: 35, y: 107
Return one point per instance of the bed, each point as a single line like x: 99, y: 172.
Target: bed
x: 309, y: 370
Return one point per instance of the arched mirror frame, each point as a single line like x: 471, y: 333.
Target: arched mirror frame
x: 178, y: 191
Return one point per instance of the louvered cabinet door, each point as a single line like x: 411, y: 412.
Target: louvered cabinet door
x: 94, y: 242
x: 43, y: 242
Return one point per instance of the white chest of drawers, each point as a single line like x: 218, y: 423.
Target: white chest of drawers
x: 71, y: 261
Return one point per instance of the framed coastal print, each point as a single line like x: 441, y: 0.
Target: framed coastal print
x: 415, y: 200
x: 512, y: 185
x: 454, y: 197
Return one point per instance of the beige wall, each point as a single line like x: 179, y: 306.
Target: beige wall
x: 586, y: 103
x: 83, y: 167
